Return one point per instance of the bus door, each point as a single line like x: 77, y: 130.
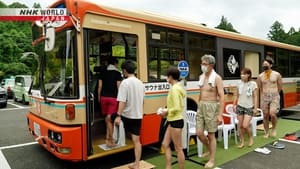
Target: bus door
x: 100, y: 47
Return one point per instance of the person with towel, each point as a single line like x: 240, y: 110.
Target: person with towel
x: 130, y: 110
x: 210, y: 108
x: 245, y: 105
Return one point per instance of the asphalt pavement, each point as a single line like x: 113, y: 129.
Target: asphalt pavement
x: 18, y: 149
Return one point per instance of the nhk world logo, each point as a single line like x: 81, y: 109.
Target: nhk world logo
x: 33, y: 14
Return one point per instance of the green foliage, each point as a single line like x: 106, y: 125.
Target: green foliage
x: 15, y: 38
x: 278, y: 34
x: 17, y: 5
x: 225, y: 25
x: 37, y: 5
x: 2, y: 5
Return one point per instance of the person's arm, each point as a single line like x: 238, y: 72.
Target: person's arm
x: 279, y: 83
x: 121, y: 98
x: 255, y: 100
x: 259, y: 85
x: 235, y: 101
x: 176, y: 100
x: 120, y: 111
x: 99, y: 89
x: 199, y: 98
x: 220, y: 90
x: 118, y: 84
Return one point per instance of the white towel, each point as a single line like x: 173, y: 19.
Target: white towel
x: 111, y: 67
x: 119, y: 134
x: 211, y: 79
x: 249, y: 89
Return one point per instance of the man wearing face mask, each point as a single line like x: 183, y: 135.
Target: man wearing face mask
x: 270, y: 84
x: 210, y: 108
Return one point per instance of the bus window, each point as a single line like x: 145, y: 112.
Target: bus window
x: 105, y: 44
x: 282, y: 62
x: 161, y: 59
x: 60, y: 75
x: 295, y: 61
x: 199, y: 45
x: 194, y: 61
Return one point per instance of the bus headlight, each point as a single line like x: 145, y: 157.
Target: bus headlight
x: 55, y: 136
x: 64, y: 150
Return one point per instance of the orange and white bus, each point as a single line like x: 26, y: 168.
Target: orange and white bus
x: 65, y: 117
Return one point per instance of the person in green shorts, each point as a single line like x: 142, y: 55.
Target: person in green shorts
x: 210, y: 108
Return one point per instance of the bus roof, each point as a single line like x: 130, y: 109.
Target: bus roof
x: 85, y: 6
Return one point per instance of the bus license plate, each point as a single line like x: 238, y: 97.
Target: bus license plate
x: 36, y: 129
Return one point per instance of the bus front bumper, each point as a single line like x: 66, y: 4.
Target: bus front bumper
x: 65, y: 142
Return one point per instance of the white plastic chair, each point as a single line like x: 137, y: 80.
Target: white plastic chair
x: 226, y: 129
x: 191, y: 125
x: 255, y: 120
x: 230, y: 110
x: 191, y: 128
x: 223, y: 131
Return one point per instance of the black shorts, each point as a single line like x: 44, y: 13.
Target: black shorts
x: 132, y: 126
x: 177, y: 123
x: 244, y: 111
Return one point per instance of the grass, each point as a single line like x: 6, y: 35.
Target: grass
x: 222, y: 156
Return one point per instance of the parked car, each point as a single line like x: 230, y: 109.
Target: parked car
x: 8, y: 84
x: 21, y: 88
x: 3, y: 97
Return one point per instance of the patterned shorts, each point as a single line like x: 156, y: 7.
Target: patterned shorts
x: 270, y: 101
x: 207, y: 114
x: 244, y: 111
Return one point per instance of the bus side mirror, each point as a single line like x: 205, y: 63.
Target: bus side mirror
x: 50, y: 38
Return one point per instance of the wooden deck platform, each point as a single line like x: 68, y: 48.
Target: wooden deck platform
x: 143, y: 165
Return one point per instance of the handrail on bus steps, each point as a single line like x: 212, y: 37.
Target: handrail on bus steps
x: 92, y: 98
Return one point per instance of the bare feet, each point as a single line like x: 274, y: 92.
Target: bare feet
x: 206, y: 154
x: 241, y: 145
x: 250, y: 142
x: 110, y: 143
x: 273, y: 133
x: 266, y: 135
x: 133, y: 166
x: 209, y: 164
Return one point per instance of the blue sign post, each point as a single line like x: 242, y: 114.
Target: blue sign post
x: 183, y: 68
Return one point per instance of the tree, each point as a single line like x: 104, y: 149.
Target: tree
x: 277, y: 32
x: 37, y: 5
x: 294, y: 39
x: 2, y: 5
x: 291, y: 31
x: 15, y: 39
x: 225, y: 25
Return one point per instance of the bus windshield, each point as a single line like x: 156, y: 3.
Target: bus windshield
x: 59, y: 67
